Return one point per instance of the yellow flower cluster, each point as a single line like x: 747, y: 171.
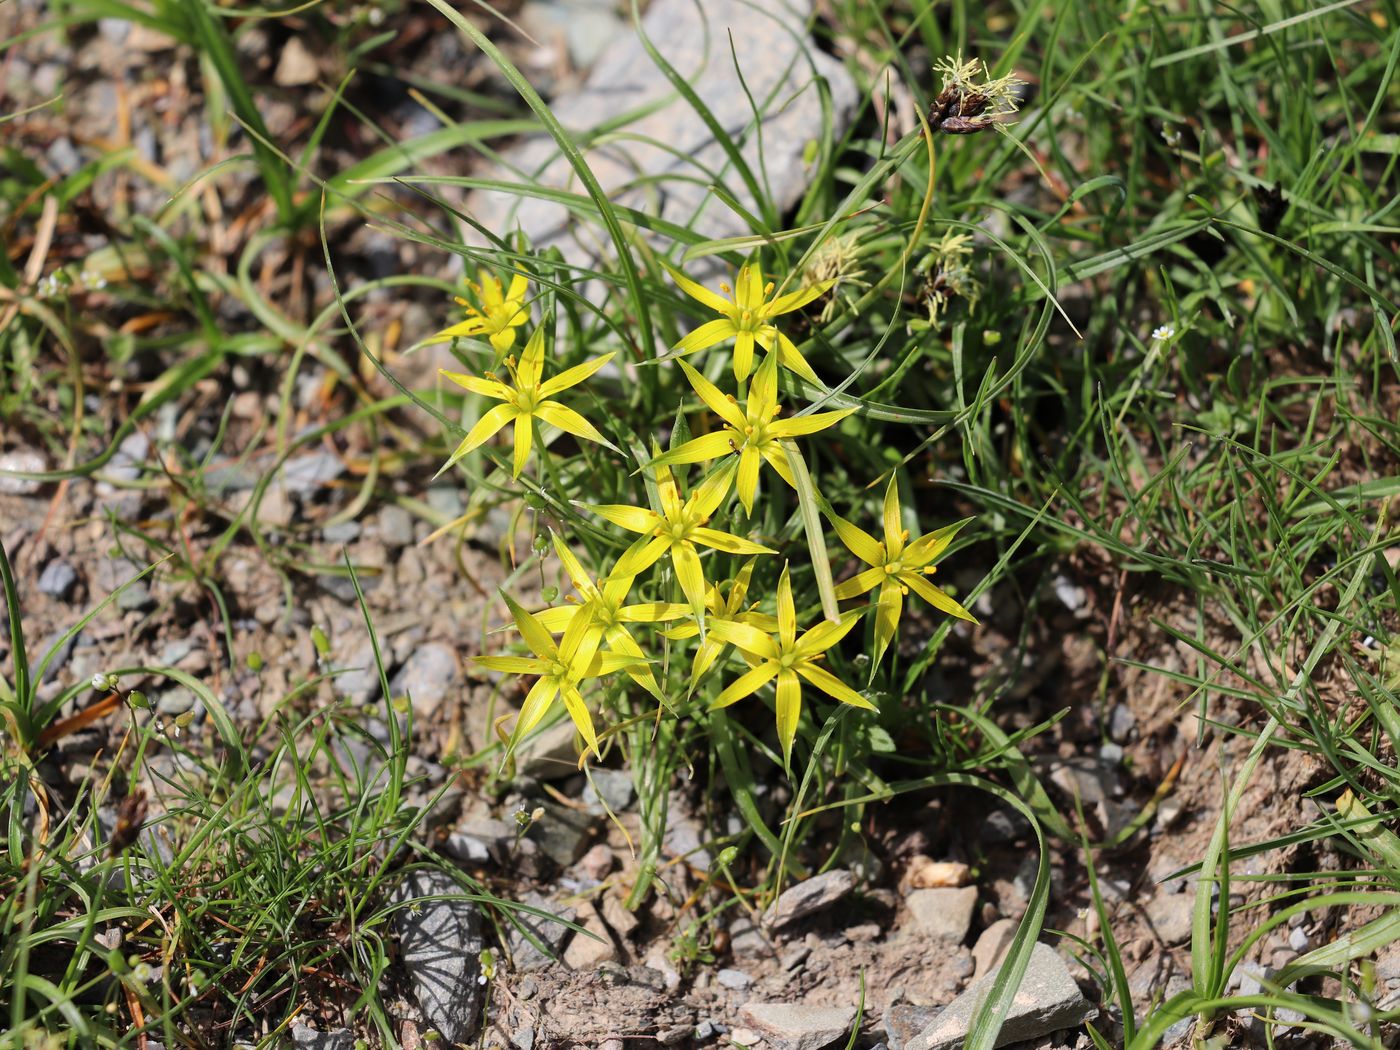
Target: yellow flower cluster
x: 595, y: 628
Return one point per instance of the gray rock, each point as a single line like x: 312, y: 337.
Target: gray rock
x: 809, y: 897
x: 126, y: 463
x: 395, y: 527
x: 1298, y: 939
x: 992, y: 945
x: 587, y: 26
x: 684, y: 839
x: 22, y: 461
x: 468, y: 849
x: 789, y: 1026
x: 431, y: 675
x: 63, y: 156
x: 302, y: 475
x: 735, y: 980
x: 311, y: 1039
x: 612, y: 786
x: 780, y: 65
x: 1170, y: 915
x: 1003, y: 827
x: 1121, y: 721
x: 446, y: 500
x: 563, y: 834
x: 904, y: 1021
x: 58, y: 580
x: 1047, y: 1001
x: 526, y: 956
x: 548, y: 754
x: 115, y: 30
x: 441, y: 943
x: 344, y: 532
x: 942, y: 914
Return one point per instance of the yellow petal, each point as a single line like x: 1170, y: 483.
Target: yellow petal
x: 894, y: 527
x: 642, y: 555
x: 787, y: 611
x: 801, y: 426
x: 524, y: 437
x: 626, y: 516
x: 471, y: 326
x: 699, y: 292
x: 519, y: 285
x: 796, y: 300
x: 859, y: 583
x: 512, y: 664
x: 530, y: 628
x: 743, y: 355
x: 749, y: 461
x: 763, y: 391
x: 887, y: 609
x: 578, y: 711
x: 569, y: 421
x: 714, y: 399
x: 668, y: 492
x: 706, y: 499
x: 706, y: 336
x: 777, y: 458
x: 477, y: 385
x: 723, y: 541
x: 745, y: 636
x: 791, y: 358
x: 935, y: 597
x: 577, y: 573
x: 698, y: 450
x: 928, y: 547
x: 746, y: 684
x: 531, y: 365
x: 652, y: 612
x: 573, y: 376
x: 503, y: 339
x: 580, y: 642
x: 748, y: 289
x: 536, y: 706
x: 831, y: 685
x: 860, y: 543
x: 557, y: 619
x: 490, y: 289
x: 789, y: 708
x: 690, y: 576
x: 482, y: 431
x: 826, y: 634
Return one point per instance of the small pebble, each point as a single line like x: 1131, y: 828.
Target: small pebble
x: 735, y: 980
x: 342, y: 532
x: 1298, y: 939
x: 58, y: 579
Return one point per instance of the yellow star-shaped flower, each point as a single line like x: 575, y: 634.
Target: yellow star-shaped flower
x: 747, y: 318
x: 603, y: 602
x: 526, y: 401
x: 731, y: 606
x: 561, y: 668
x: 500, y: 314
x: 755, y: 433
x: 678, y: 530
x: 789, y: 659
x: 896, y: 567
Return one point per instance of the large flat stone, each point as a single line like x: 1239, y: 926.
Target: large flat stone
x: 791, y: 1026
x: 441, y: 943
x: 667, y: 158
x: 1047, y: 1001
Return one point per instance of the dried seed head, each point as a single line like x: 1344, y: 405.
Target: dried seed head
x: 131, y: 815
x: 964, y: 105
